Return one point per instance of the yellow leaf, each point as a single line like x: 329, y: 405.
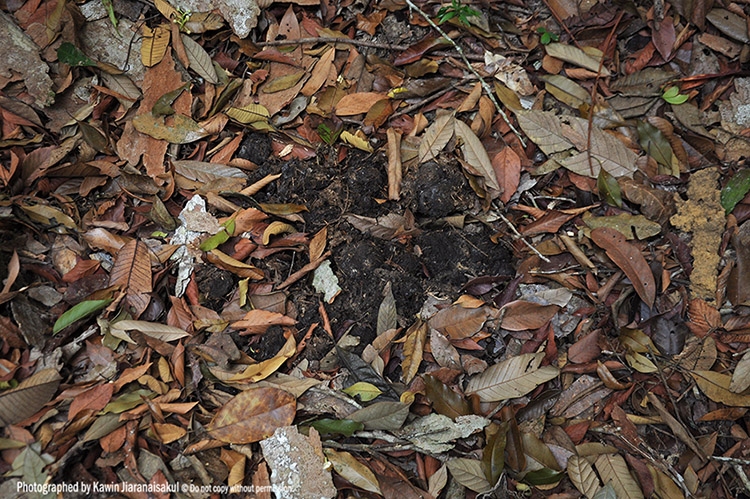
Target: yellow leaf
x: 414, y: 343
x: 155, y: 44
x: 166, y: 9
x: 168, y: 433
x: 357, y: 141
x: 250, y: 113
x: 365, y: 391
x: 262, y: 370
x: 640, y: 363
x: 352, y: 470
x: 275, y: 228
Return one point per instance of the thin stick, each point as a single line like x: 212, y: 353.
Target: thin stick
x: 519, y: 236
x: 332, y: 39
x: 485, y: 85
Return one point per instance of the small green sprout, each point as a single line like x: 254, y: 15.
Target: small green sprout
x: 546, y: 37
x: 181, y: 19
x: 456, y: 9
x: 673, y: 96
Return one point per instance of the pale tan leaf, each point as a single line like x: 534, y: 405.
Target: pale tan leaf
x: 554, y: 134
x: 166, y: 9
x: 741, y: 375
x: 468, y: 472
x: 574, y: 55
x: 351, y: 469
x: 200, y: 61
x: 394, y: 164
x: 168, y: 433
x: 511, y: 378
x: 318, y: 244
x: 156, y: 330
x: 250, y: 113
x: 476, y: 155
x: 436, y: 137
x: 566, y: 90
x: 545, y: 130
x: 582, y: 475
x: 716, y: 387
x: 204, y: 172
x: 613, y: 470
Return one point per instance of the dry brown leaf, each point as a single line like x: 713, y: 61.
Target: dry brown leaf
x: 358, y: 103
x: 95, y: 398
x: 436, y: 137
x: 253, y: 415
x: 318, y: 244
x: 457, y: 322
x: 257, y: 321
x: 507, y: 167
x: 520, y: 315
x: 629, y: 259
x: 416, y: 337
x: 132, y: 272
x: 394, y: 164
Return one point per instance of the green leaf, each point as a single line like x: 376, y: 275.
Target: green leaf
x: 220, y: 237
x: 544, y: 476
x: 672, y: 95
x: 346, y: 427
x: 78, y: 312
x: 493, y: 456
x: 609, y: 189
x: 110, y: 12
x: 72, y: 56
x: 655, y: 144
x: 735, y: 190
x: 163, y: 106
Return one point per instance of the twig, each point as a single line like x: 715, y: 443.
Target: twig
x: 331, y: 39
x: 518, y: 234
x: 485, y: 85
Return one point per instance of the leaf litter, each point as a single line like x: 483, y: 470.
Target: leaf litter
x: 282, y: 251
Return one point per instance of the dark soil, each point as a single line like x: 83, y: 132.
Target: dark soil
x: 438, y: 259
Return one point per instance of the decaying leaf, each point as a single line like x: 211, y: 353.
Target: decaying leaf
x: 253, y: 415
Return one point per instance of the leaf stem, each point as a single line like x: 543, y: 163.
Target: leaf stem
x: 485, y: 85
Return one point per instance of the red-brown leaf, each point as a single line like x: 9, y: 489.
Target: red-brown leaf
x: 629, y: 259
x: 507, y: 166
x: 95, y: 398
